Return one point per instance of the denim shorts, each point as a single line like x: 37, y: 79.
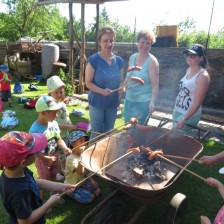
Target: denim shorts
x: 6, y: 94
x: 101, y: 120
x: 177, y: 116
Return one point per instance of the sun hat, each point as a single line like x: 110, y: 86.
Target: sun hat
x: 196, y: 49
x: 4, y: 68
x: 46, y: 103
x: 14, y: 147
x: 54, y: 83
x: 75, y: 135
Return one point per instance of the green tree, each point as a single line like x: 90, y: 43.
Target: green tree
x: 123, y: 32
x: 25, y: 18
x: 187, y: 26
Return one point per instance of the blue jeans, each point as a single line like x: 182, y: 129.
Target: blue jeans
x: 101, y: 120
x: 177, y: 116
x: 139, y: 110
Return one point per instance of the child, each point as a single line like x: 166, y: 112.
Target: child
x: 47, y: 160
x: 19, y: 190
x: 75, y: 172
x: 55, y: 88
x: 5, y: 81
x: 219, y: 219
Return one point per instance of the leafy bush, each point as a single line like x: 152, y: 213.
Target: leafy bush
x: 69, y: 90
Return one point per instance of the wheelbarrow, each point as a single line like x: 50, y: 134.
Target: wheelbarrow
x: 109, y: 149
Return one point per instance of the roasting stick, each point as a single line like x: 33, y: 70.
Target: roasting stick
x: 130, y: 69
x: 134, y: 79
x: 175, y: 164
x: 181, y: 157
x: 109, y: 164
x: 83, y: 129
x: 106, y: 134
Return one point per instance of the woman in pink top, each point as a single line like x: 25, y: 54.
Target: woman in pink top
x: 193, y: 88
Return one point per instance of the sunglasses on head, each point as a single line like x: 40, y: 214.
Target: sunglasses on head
x: 190, y: 55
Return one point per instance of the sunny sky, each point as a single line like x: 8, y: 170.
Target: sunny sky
x: 149, y: 13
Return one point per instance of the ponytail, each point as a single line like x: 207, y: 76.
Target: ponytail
x: 203, y: 63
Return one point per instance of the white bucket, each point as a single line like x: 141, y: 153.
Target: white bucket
x: 49, y: 55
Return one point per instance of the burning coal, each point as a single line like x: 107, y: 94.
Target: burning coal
x: 139, y: 167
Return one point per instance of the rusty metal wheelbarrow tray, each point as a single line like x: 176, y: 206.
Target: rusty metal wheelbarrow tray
x: 112, y: 147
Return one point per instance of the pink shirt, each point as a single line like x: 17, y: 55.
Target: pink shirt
x: 219, y: 219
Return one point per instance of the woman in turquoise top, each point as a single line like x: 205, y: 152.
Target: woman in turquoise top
x: 140, y: 99
x: 104, y: 73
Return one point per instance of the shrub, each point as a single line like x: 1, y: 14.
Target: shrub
x: 69, y: 89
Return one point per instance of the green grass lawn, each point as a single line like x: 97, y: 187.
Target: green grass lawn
x: 202, y: 199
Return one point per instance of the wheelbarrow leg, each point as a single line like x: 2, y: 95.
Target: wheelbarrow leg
x: 95, y: 209
x: 140, y: 211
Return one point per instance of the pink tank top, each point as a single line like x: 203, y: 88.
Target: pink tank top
x: 219, y: 219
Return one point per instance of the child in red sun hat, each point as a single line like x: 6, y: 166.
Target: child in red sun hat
x: 19, y: 190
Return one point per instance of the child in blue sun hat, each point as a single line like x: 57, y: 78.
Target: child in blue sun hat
x: 75, y: 172
x: 5, y: 82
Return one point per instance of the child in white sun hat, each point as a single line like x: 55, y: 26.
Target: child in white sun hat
x: 55, y: 88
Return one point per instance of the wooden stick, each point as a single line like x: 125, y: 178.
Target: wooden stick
x: 181, y: 157
x: 82, y: 129
x: 126, y: 85
x: 109, y: 164
x: 175, y: 164
x: 106, y: 134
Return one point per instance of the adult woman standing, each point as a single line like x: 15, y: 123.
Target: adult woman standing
x: 104, y: 73
x: 193, y: 88
x: 140, y: 100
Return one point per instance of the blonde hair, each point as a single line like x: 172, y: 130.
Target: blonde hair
x: 146, y: 34
x: 106, y: 29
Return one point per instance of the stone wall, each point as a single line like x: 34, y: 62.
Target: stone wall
x: 172, y: 69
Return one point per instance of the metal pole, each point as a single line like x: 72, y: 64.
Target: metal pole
x: 133, y: 46
x: 207, y: 42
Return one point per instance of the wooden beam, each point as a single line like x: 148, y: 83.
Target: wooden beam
x: 71, y: 41
x: 81, y: 87
x: 97, y: 25
x: 48, y: 2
